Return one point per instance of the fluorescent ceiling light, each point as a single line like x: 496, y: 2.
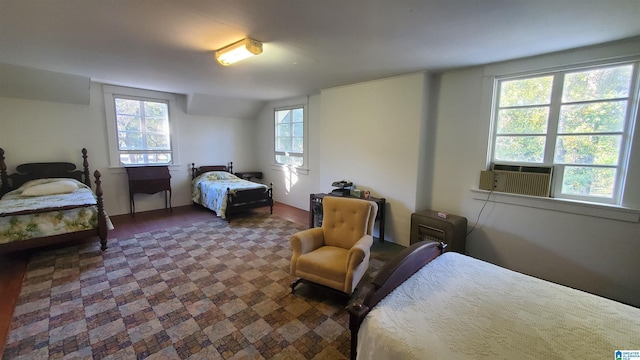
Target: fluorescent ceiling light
x: 239, y: 50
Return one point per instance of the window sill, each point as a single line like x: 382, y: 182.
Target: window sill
x: 289, y: 169
x: 562, y: 205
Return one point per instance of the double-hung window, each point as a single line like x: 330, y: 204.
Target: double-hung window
x: 139, y: 127
x: 290, y: 136
x: 143, y: 131
x: 579, y: 121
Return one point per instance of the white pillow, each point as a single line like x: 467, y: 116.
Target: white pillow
x: 52, y: 188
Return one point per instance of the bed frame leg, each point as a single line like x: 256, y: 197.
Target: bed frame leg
x: 357, y: 311
x: 294, y: 284
x: 102, y: 220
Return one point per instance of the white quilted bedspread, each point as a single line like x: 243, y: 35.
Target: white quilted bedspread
x: 458, y: 307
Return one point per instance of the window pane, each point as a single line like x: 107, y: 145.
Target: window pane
x: 588, y: 181
x: 157, y: 142
x: 283, y: 144
x: 298, y: 115
x: 297, y: 145
x: 534, y: 91
x: 148, y: 158
x: 594, y: 117
x: 129, y: 123
x: 585, y: 149
x: 283, y: 130
x: 127, y: 107
x: 283, y: 116
x: 130, y: 140
x: 523, y: 121
x: 520, y: 148
x: 157, y: 124
x: 608, y: 83
x: 295, y: 161
x: 155, y: 109
x: 298, y: 129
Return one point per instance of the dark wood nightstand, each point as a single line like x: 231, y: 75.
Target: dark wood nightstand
x: 149, y: 180
x: 248, y: 175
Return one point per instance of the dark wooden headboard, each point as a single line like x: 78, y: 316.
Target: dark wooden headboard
x: 394, y: 273
x: 195, y: 172
x: 44, y: 170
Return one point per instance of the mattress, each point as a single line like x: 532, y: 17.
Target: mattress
x: 23, y: 218
x: 458, y: 307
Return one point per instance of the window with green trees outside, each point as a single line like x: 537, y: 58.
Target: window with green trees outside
x: 579, y: 121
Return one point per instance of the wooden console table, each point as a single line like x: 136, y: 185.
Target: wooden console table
x: 315, y: 210
x: 149, y: 180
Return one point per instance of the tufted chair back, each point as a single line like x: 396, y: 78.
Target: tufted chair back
x: 347, y: 220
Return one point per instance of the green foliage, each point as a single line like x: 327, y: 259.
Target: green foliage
x: 590, y: 125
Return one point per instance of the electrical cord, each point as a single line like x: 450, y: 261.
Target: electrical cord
x: 479, y: 213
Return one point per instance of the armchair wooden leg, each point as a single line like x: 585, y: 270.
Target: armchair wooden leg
x: 294, y: 284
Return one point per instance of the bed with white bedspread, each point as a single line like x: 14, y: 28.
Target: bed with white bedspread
x: 458, y: 307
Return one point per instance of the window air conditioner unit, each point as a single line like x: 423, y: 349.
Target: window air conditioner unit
x: 525, y: 180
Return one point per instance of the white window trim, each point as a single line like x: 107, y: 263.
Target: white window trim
x: 627, y: 132
x: 112, y: 91
x: 602, y: 211
x: 304, y: 170
x: 546, y: 63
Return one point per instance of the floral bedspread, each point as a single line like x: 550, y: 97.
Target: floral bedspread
x: 210, y: 190
x: 49, y: 221
x: 12, y: 202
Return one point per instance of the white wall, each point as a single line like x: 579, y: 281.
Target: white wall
x: 370, y: 133
x: 591, y: 253
x: 36, y: 131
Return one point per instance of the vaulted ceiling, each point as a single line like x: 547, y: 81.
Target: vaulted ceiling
x: 168, y: 45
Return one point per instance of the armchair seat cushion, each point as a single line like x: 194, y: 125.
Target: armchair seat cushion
x: 326, y: 263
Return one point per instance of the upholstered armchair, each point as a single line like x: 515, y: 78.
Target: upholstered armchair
x: 335, y: 255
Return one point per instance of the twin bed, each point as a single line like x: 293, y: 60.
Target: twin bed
x: 427, y: 304
x: 218, y: 189
x: 48, y: 203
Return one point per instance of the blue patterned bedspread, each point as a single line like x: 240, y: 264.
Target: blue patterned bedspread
x: 210, y: 190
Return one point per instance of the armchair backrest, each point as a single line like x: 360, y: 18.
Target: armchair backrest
x: 346, y: 220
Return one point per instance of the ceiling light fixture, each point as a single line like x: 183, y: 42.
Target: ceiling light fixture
x: 239, y: 50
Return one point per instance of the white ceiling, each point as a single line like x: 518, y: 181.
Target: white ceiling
x: 309, y: 45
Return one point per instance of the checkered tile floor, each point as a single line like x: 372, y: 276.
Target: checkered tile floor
x: 209, y: 290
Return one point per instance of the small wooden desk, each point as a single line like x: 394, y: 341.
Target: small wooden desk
x: 315, y: 209
x: 149, y: 180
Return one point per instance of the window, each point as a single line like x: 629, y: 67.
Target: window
x: 577, y: 120
x: 139, y: 126
x: 290, y: 136
x: 143, y: 131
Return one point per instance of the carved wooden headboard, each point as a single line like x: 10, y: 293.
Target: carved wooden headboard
x: 44, y: 170
x: 195, y: 172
